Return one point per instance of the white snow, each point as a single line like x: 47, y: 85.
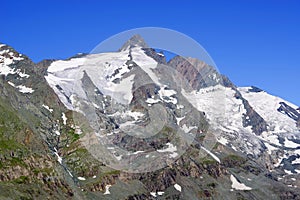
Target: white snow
x: 280, y: 160
x: 179, y: 106
x: 100, y: 69
x: 270, y: 148
x: 135, y: 115
x: 187, y: 129
x: 57, y: 133
x: 171, y: 148
x: 222, y: 109
x: 223, y: 140
x: 226, y: 129
x: 297, y: 161
x: 121, y: 92
x: 273, y: 139
x: 107, y: 189
x: 78, y: 130
x: 288, y: 172
x: 5, y: 61
x: 64, y: 118
x: 48, y: 108
x: 24, y: 89
x: 94, y: 176
x: 290, y: 144
x: 211, y: 154
x: 266, y: 106
x: 59, y: 159
x: 22, y: 74
x: 164, y: 92
x: 70, y: 173
x: 152, y: 101
x: 237, y: 185
x: 178, y: 120
x: 12, y: 84
x: 21, y: 88
x: 137, y: 152
x: 177, y: 187
x: 145, y: 62
x: 118, y: 157
x: 167, y: 95
x: 5, y: 70
x: 62, y: 65
x: 153, y: 194
x: 81, y: 178
x: 148, y: 64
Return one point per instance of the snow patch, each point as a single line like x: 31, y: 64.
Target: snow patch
x: 152, y: 101
x: 171, y: 148
x: 64, y: 118
x: 223, y: 141
x: 187, y: 129
x: 177, y: 187
x: 273, y: 139
x: 21, y: 88
x: 107, y: 189
x: 296, y: 161
x: 178, y: 120
x: 48, y: 108
x: 237, y: 185
x: 57, y: 133
x: 59, y: 159
x: 211, y: 154
x: 81, y: 178
x: 24, y: 89
x: 270, y: 148
x: 290, y: 144
x: 167, y: 95
x: 288, y: 172
x: 153, y: 194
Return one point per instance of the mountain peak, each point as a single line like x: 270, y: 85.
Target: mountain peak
x: 135, y: 40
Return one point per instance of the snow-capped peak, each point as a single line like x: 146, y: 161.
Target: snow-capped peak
x: 134, y: 41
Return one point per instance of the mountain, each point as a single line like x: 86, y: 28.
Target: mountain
x: 130, y: 125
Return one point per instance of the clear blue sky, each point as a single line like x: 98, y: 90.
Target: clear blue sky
x: 252, y: 42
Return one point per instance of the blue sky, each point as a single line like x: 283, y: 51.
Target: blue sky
x: 252, y: 42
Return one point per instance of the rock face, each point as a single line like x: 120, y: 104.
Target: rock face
x: 289, y: 111
x: 134, y: 41
x: 75, y: 130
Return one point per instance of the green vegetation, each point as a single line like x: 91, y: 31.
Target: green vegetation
x: 208, y: 161
x: 72, y: 135
x: 9, y: 144
x: 9, y: 121
x: 113, y: 172
x: 233, y: 157
x: 21, y: 180
x: 12, y: 135
x: 43, y: 170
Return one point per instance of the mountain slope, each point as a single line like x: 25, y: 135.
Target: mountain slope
x: 187, y: 130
